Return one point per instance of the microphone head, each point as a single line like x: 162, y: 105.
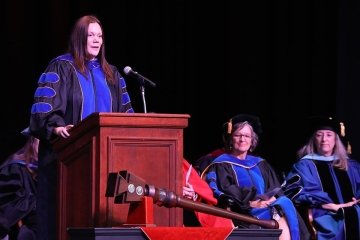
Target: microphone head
x: 127, y: 70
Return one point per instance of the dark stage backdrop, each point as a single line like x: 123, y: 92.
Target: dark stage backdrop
x: 281, y: 60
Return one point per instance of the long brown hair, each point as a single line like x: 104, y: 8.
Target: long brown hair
x: 28, y: 153
x: 78, y: 43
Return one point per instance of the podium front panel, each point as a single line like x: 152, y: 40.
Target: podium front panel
x: 149, y: 146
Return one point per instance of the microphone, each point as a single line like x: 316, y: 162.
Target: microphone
x: 138, y: 76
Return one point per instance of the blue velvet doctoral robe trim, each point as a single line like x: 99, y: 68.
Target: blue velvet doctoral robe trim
x: 32, y: 166
x: 250, y: 162
x: 95, y: 91
x: 321, y: 184
x: 60, y: 99
x: 249, y: 174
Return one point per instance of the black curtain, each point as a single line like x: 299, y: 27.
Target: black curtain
x: 281, y: 60
x: 348, y: 74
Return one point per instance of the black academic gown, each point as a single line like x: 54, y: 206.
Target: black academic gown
x: 60, y: 100
x: 248, y: 180
x: 18, y: 198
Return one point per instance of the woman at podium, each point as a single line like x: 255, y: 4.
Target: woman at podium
x: 73, y: 86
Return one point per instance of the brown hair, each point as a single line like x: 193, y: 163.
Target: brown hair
x: 28, y: 153
x: 78, y: 43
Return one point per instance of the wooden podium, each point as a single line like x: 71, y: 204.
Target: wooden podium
x: 149, y: 145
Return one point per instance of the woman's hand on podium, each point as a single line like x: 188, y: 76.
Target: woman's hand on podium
x: 63, y: 131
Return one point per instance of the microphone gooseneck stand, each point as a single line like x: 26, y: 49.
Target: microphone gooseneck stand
x: 142, y: 80
x: 142, y: 89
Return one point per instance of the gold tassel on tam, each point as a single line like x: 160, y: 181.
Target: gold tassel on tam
x: 342, y: 129
x: 348, y: 148
x: 229, y: 126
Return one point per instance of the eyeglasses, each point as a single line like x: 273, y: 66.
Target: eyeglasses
x: 246, y: 136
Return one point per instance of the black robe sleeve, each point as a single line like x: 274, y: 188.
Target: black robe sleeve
x: 60, y: 106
